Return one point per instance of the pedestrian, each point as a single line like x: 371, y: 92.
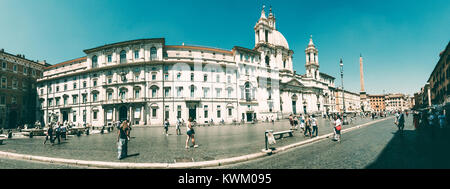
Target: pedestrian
x: 416, y: 120
x: 302, y: 122
x: 58, y: 133
x: 129, y: 128
x: 295, y: 122
x: 64, y: 131
x: 401, y: 121
x: 307, y: 126
x: 177, y: 129
x: 441, y: 118
x: 315, y: 130
x: 291, y: 121
x: 122, y: 140
x: 190, y: 134
x: 337, y: 128
x: 166, y: 127
x: 49, y: 135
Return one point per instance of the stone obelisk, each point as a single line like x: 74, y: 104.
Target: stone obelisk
x: 362, y: 94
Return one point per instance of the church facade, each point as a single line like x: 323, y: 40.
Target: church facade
x: 146, y: 81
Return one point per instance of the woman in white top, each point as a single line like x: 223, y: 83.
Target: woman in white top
x: 190, y: 134
x: 337, y: 128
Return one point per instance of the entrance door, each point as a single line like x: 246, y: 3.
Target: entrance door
x: 123, y: 113
x: 249, y: 117
x: 65, y: 116
x: 193, y: 113
x: 12, y: 119
x: 294, y: 107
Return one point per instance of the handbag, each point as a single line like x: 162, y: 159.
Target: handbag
x: 338, y: 128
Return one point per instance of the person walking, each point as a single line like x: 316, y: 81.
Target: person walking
x: 49, y: 135
x: 166, y: 127
x: 441, y: 118
x: 307, y: 126
x: 58, y: 133
x: 177, y: 129
x: 122, y: 140
x: 315, y: 130
x: 416, y: 120
x: 291, y: 121
x: 401, y: 121
x: 302, y: 122
x: 190, y: 134
x: 295, y: 122
x: 337, y: 128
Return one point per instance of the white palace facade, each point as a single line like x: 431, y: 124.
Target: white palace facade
x: 146, y: 81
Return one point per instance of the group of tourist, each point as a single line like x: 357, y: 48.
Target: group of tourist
x: 309, y: 122
x: 430, y: 119
x: 59, y: 130
x: 306, y: 123
x: 189, y: 130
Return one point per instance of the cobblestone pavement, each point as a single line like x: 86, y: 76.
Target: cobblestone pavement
x: 149, y: 145
x: 378, y: 146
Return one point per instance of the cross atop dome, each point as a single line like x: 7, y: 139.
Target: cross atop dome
x: 311, y: 41
x: 263, y: 13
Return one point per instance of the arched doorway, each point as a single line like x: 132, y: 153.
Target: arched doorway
x: 123, y: 113
x: 12, y: 119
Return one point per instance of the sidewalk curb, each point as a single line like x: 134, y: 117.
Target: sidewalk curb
x: 190, y: 165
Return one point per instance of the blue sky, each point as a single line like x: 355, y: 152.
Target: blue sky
x: 400, y: 40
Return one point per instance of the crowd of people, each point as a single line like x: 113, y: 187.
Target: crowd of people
x: 433, y: 119
x: 309, y: 124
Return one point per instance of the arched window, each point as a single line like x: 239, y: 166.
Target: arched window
x: 267, y: 61
x: 284, y: 64
x: 94, y: 61
x: 153, y: 53
x: 123, y: 56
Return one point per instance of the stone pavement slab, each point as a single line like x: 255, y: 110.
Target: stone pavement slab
x: 150, y: 145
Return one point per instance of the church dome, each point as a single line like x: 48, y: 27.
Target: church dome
x: 279, y: 40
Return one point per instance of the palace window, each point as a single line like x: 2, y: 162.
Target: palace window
x: 123, y: 56
x: 74, y: 99
x: 136, y: 93
x: 267, y: 61
x: 109, y: 58
x: 4, y: 80
x: 3, y: 100
x: 110, y: 96
x: 153, y: 54
x: 192, y: 76
x: 154, y: 93
x: 136, y: 54
x: 94, y: 61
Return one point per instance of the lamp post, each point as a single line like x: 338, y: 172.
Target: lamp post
x: 341, y: 65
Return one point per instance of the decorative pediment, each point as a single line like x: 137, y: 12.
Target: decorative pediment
x: 295, y: 82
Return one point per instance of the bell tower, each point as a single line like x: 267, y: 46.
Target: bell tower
x: 312, y: 60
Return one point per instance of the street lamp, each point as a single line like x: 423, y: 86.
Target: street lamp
x: 341, y: 65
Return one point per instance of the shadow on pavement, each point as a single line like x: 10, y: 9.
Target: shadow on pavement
x: 131, y: 155
x: 415, y: 149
